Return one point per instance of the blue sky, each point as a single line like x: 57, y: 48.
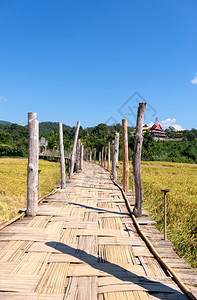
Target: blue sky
x: 84, y: 60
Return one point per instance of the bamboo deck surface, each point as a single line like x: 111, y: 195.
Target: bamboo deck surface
x: 83, y: 245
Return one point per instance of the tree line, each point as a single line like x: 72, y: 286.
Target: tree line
x: 14, y: 141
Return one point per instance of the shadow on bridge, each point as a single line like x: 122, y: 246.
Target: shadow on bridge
x: 156, y: 288
x: 100, y: 209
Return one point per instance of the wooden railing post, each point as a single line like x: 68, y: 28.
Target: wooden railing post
x: 73, y: 154
x: 78, y: 155
x: 115, y: 157
x: 62, y: 159
x: 81, y: 157
x: 105, y: 157
x: 112, y: 158
x: 100, y: 158
x: 137, y: 161
x: 125, y: 156
x: 86, y: 154
x: 108, y: 157
x: 90, y: 156
x: 94, y: 155
x: 32, y: 168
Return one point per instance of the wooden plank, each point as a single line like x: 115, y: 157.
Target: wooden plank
x: 81, y: 225
x: 39, y: 222
x: 116, y: 254
x: 106, y: 269
x: 30, y: 296
x: 126, y: 295
x: 54, y: 279
x: 151, y: 287
x: 102, y: 281
x: 7, y: 267
x: 43, y: 247
x: 32, y: 263
x: 82, y: 288
x: 88, y: 244
x: 18, y: 283
x: 141, y: 251
x: 101, y: 232
x: 72, y: 258
x: 134, y: 241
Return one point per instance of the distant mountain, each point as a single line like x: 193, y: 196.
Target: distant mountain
x: 46, y: 127
x: 4, y: 122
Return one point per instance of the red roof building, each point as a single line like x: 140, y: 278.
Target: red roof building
x: 157, y: 130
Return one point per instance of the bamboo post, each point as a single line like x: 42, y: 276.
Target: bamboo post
x: 73, y: 154
x: 39, y: 171
x: 78, y: 155
x: 81, y: 157
x: 115, y: 157
x: 90, y: 156
x: 125, y: 156
x: 165, y: 213
x: 100, y: 158
x: 108, y: 157
x: 62, y: 159
x: 137, y: 161
x: 57, y: 170
x: 86, y: 154
x: 32, y: 168
x: 112, y: 158
x: 94, y: 155
x: 105, y: 157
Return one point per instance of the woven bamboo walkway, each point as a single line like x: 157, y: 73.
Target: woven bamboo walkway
x: 81, y: 245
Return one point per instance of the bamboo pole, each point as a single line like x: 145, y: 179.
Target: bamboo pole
x: 137, y: 161
x: 94, y: 155
x: 32, y: 168
x: 90, y: 156
x: 81, y: 157
x: 102, y: 156
x: 105, y: 157
x: 73, y: 154
x: 62, y: 159
x: 86, y: 154
x: 78, y: 155
x: 125, y: 156
x: 112, y: 158
x: 108, y: 157
x: 115, y: 157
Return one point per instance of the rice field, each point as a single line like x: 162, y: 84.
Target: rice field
x: 13, y: 184
x: 181, y: 180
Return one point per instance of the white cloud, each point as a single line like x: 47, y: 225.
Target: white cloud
x: 194, y: 81
x: 19, y: 122
x: 171, y: 122
x: 3, y: 99
x: 167, y: 123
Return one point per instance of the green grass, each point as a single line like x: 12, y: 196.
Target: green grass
x: 181, y: 179
x: 13, y: 184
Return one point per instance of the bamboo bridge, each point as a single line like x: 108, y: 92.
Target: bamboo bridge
x: 83, y: 244
x: 90, y: 239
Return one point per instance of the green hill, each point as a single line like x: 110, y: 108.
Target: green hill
x: 4, y: 122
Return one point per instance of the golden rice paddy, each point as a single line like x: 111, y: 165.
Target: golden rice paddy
x: 181, y: 180
x: 13, y: 184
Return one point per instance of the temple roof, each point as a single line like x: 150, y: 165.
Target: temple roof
x: 156, y: 128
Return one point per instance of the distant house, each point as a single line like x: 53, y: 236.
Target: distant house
x: 145, y: 128
x: 157, y: 130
